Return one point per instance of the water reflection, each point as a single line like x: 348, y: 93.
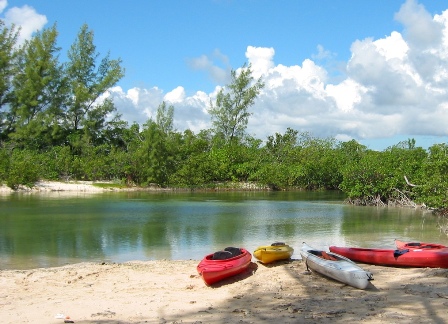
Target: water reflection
x: 48, y: 230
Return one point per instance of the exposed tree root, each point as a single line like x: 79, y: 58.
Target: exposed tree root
x: 398, y: 199
x: 442, y: 224
x: 366, y: 201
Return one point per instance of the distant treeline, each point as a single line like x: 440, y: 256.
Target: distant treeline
x: 54, y: 125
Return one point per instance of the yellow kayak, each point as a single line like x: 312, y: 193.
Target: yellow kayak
x: 274, y: 252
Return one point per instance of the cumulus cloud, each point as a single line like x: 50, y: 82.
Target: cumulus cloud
x: 261, y: 60
x: 176, y: 96
x: 3, y: 4
x: 136, y: 105
x: 421, y: 30
x: 390, y: 86
x: 394, y: 85
x: 24, y: 17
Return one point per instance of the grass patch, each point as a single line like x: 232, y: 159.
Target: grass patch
x: 106, y: 185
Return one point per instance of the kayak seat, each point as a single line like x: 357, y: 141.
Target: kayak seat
x: 233, y: 250
x: 397, y: 253
x: 414, y: 244
x: 278, y: 244
x: 221, y: 255
x: 327, y: 257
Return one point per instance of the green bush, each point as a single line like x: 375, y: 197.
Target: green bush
x: 23, y: 169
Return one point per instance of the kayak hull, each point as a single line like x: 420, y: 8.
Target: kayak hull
x: 272, y: 253
x: 336, y: 267
x: 417, y: 258
x: 213, y: 271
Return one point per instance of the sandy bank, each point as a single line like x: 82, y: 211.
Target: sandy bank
x: 65, y: 187
x: 74, y: 187
x: 172, y: 292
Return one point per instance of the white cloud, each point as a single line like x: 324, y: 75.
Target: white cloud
x: 3, y: 4
x: 261, y: 59
x: 137, y: 105
x: 421, y: 30
x: 218, y: 74
x: 347, y: 94
x: 322, y: 54
x: 396, y: 85
x: 26, y: 18
x: 392, y: 86
x: 176, y: 96
x: 392, y: 47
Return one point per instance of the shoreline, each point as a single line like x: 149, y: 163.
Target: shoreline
x: 66, y: 187
x: 173, y: 292
x: 79, y: 186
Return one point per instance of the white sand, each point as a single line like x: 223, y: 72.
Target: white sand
x: 173, y: 292
x: 57, y: 187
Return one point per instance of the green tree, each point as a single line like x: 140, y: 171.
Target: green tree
x: 369, y: 181
x: 280, y: 167
x: 125, y: 142
x: 165, y: 117
x: 319, y: 161
x: 431, y: 185
x: 350, y: 151
x: 151, y: 156
x: 56, y: 163
x: 192, y: 163
x: 246, y: 159
x: 281, y: 147
x: 39, y: 92
x: 4, y: 163
x: 89, y: 78
x: 405, y: 161
x: 8, y: 68
x: 22, y: 169
x: 230, y: 112
x: 156, y: 152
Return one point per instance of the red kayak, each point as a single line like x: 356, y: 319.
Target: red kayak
x: 223, y: 264
x: 418, y: 245
x: 418, y: 258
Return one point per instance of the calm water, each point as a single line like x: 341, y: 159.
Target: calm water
x: 48, y: 230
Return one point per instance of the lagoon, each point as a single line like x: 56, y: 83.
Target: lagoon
x: 51, y: 229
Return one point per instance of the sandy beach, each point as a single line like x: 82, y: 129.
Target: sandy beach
x: 68, y: 187
x: 173, y: 292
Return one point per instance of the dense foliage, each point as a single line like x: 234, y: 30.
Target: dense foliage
x: 55, y: 125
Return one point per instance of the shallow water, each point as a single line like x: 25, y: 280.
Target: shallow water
x: 46, y: 230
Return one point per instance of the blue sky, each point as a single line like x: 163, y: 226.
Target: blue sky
x: 375, y: 71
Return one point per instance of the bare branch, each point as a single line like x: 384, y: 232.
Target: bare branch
x: 410, y: 184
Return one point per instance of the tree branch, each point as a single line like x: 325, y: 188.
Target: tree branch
x: 410, y: 184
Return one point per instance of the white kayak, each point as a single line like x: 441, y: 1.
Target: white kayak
x: 335, y: 266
